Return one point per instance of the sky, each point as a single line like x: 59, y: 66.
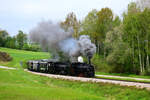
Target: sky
x: 25, y: 14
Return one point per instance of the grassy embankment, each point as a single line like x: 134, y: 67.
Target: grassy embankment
x: 124, y: 75
x: 22, y: 56
x: 20, y: 85
x: 129, y: 79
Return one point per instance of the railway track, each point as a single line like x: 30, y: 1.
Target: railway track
x: 140, y: 85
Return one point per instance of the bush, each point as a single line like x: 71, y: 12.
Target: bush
x: 5, y: 56
x: 100, y: 64
x: 120, y: 58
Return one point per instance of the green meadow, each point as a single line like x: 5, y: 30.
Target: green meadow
x: 20, y: 85
x: 22, y: 56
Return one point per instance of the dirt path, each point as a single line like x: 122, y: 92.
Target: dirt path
x: 4, y: 67
x: 94, y: 80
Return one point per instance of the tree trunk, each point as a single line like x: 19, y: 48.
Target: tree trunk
x: 147, y: 59
x: 143, y: 64
x: 99, y: 50
x: 133, y: 55
x: 140, y: 60
x: 104, y: 52
x: 147, y: 63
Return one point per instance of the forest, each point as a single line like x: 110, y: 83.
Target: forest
x: 122, y: 41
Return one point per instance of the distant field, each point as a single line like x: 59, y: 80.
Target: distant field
x: 22, y: 56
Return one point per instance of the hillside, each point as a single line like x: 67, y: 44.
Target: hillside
x: 22, y: 56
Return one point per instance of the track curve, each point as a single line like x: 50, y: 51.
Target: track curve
x: 95, y: 80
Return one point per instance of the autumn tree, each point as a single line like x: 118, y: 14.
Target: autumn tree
x: 105, y: 19
x: 89, y: 27
x: 71, y: 22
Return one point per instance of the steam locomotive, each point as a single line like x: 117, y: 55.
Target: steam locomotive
x: 62, y: 68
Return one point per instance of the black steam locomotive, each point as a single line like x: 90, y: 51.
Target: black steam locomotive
x: 62, y: 68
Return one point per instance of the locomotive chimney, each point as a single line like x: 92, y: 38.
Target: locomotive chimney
x: 89, y: 61
x: 89, y: 58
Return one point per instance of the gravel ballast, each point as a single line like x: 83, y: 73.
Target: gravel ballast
x: 94, y: 80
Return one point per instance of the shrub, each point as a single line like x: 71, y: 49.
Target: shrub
x: 100, y: 64
x: 5, y: 56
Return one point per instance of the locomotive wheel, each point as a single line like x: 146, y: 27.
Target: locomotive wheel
x: 38, y: 69
x: 62, y: 72
x: 31, y: 68
x: 86, y: 74
x: 52, y: 70
x: 81, y: 75
x: 28, y: 68
x: 91, y: 74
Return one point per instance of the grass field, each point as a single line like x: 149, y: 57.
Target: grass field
x: 21, y: 85
x: 22, y: 56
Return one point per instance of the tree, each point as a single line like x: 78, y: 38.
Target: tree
x: 145, y: 29
x: 11, y: 42
x: 142, y: 4
x: 21, y: 39
x: 105, y: 19
x: 3, y: 36
x: 120, y: 58
x: 96, y: 24
x: 113, y: 37
x: 132, y: 33
x: 26, y: 47
x: 116, y: 22
x: 136, y: 29
x: 71, y: 22
x: 118, y: 51
x: 89, y: 27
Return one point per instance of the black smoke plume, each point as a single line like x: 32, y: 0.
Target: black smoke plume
x: 52, y: 37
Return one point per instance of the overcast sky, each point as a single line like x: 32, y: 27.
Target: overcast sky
x: 25, y: 14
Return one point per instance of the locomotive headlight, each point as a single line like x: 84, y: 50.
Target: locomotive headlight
x: 80, y: 59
